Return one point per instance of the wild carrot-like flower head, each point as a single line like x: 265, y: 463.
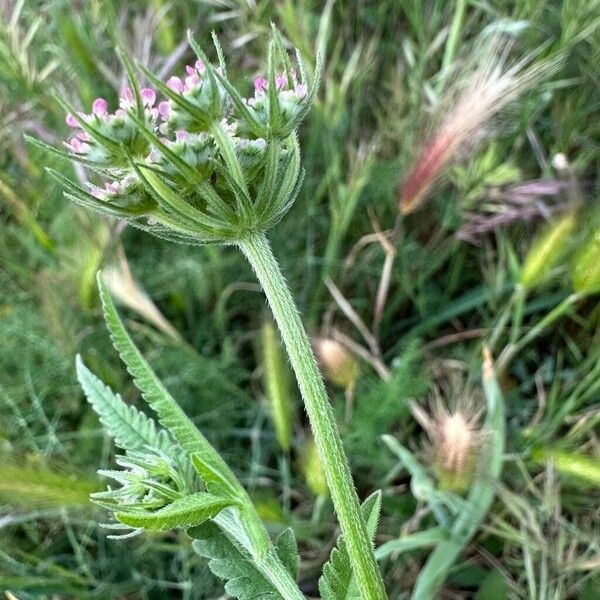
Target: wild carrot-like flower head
x: 202, y: 164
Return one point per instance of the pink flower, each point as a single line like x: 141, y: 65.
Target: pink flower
x: 181, y: 135
x: 260, y: 85
x: 164, y: 110
x: 128, y: 95
x: 77, y: 146
x: 72, y: 121
x: 301, y: 90
x: 148, y: 96
x: 175, y: 84
x: 191, y: 81
x: 100, y: 107
x: 127, y: 100
x: 154, y: 155
x: 281, y: 81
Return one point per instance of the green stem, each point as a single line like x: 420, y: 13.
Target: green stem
x: 266, y: 561
x: 554, y: 315
x: 517, y: 320
x: 454, y: 35
x: 327, y: 437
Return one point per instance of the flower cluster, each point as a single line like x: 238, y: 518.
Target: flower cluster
x: 205, y: 164
x: 104, y: 138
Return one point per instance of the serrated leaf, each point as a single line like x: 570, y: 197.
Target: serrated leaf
x: 337, y: 581
x: 229, y: 562
x: 287, y: 550
x: 130, y: 428
x: 188, y: 511
x: 170, y: 414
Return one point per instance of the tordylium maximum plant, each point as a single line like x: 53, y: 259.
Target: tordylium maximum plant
x: 205, y: 165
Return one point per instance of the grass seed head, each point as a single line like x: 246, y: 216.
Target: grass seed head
x: 455, y: 438
x: 493, y: 85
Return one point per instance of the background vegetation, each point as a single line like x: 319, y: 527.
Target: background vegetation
x: 198, y: 316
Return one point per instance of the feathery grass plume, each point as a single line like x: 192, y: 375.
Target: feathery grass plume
x: 453, y: 427
x: 524, y: 201
x: 494, y: 84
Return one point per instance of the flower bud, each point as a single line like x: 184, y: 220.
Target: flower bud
x: 199, y: 100
x: 312, y: 470
x: 546, y: 251
x: 278, y: 112
x: 585, y: 272
x: 338, y: 364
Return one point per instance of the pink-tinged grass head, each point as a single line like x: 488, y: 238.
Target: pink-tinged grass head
x: 492, y: 86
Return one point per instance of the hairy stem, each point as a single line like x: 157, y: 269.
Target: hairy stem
x: 327, y: 437
x: 268, y: 563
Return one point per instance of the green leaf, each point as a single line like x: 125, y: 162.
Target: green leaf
x: 414, y: 541
x: 130, y: 428
x: 230, y: 562
x: 337, y: 581
x: 188, y: 511
x: 287, y: 550
x: 493, y: 587
x: 170, y: 414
